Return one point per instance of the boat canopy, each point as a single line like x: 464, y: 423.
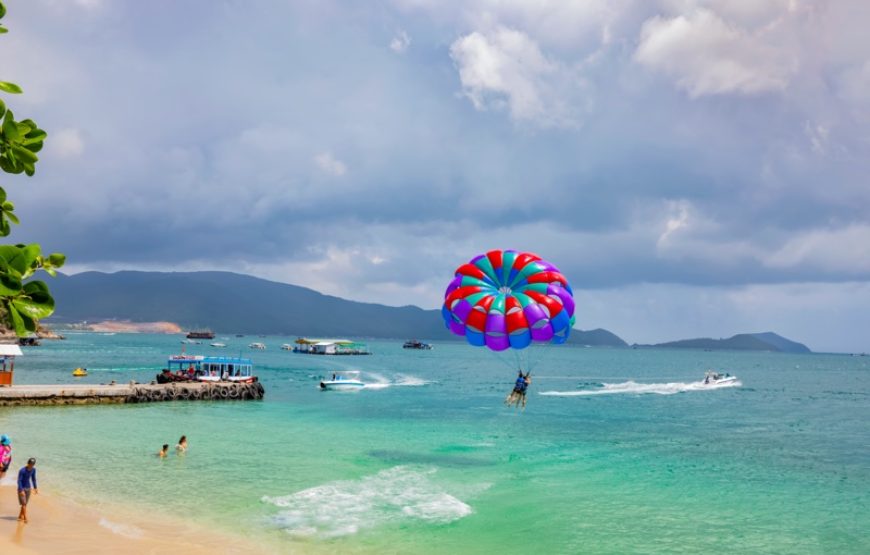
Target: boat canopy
x: 214, y: 366
x: 309, y: 341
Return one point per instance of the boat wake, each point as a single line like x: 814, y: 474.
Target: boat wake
x: 401, y: 494
x: 634, y: 388
x: 401, y: 380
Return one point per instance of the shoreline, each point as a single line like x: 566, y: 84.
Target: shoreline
x: 58, y: 524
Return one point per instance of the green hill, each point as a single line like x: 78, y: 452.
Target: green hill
x: 767, y: 341
x: 234, y: 303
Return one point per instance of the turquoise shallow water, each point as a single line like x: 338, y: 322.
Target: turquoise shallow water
x: 428, y: 460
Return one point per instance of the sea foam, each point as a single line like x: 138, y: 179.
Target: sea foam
x: 345, y: 507
x: 632, y: 387
x: 126, y: 530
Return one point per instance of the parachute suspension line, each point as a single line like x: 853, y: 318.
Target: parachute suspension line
x: 501, y: 359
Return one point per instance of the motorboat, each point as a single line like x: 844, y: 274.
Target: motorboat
x: 260, y: 346
x: 414, y: 344
x: 718, y: 378
x: 80, y: 372
x: 218, y: 344
x: 343, y: 381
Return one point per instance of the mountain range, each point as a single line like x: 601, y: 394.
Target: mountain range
x: 227, y: 302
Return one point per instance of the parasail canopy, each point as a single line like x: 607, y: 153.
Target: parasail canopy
x: 509, y: 299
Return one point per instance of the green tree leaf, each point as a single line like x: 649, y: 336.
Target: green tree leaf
x: 36, y: 302
x: 14, y: 319
x: 57, y: 259
x: 10, y: 281
x: 11, y: 88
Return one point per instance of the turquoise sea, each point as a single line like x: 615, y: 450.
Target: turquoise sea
x: 428, y: 460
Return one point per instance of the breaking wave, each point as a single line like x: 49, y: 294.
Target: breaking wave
x: 632, y: 387
x: 345, y: 507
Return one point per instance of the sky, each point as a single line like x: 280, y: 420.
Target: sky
x: 696, y: 168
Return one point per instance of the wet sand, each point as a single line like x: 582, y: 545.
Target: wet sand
x: 57, y: 525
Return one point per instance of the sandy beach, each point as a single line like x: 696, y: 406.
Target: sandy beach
x: 58, y: 525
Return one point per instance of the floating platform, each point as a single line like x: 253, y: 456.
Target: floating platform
x: 92, y: 394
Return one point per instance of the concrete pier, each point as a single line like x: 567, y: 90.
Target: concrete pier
x: 93, y: 394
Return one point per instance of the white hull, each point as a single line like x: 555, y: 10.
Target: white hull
x: 341, y: 385
x: 721, y: 381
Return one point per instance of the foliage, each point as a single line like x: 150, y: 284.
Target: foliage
x: 22, y: 303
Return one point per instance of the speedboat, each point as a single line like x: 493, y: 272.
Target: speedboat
x: 343, y: 381
x: 259, y: 346
x: 718, y: 378
x: 218, y: 345
x: 80, y: 372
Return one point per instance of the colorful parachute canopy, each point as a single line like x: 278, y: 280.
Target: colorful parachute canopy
x: 505, y: 299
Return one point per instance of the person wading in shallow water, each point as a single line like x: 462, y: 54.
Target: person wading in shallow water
x: 26, y: 479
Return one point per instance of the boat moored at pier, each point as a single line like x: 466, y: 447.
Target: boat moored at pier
x: 180, y: 368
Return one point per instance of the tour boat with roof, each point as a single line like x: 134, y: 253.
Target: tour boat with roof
x: 208, y: 369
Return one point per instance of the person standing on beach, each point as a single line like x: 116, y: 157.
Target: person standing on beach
x: 26, y: 479
x: 5, y: 454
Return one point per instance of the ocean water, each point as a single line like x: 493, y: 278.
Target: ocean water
x: 618, y: 450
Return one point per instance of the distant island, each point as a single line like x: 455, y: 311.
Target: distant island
x: 169, y: 302
x: 767, y: 341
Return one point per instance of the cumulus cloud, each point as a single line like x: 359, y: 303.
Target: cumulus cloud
x: 841, y: 251
x: 505, y: 69
x: 330, y: 165
x: 400, y: 42
x: 706, y: 55
x: 67, y: 143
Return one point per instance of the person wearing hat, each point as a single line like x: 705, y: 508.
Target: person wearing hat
x: 26, y: 478
x: 5, y: 454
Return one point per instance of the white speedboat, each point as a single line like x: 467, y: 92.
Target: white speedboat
x: 219, y: 345
x: 718, y: 378
x: 343, y: 381
x: 260, y: 346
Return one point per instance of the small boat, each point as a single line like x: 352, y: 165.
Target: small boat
x: 80, y: 372
x: 218, y: 344
x: 718, y: 378
x: 260, y: 346
x: 286, y: 347
x: 414, y: 344
x: 343, y: 381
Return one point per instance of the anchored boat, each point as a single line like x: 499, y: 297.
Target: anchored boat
x: 414, y: 344
x: 183, y: 368
x: 200, y: 334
